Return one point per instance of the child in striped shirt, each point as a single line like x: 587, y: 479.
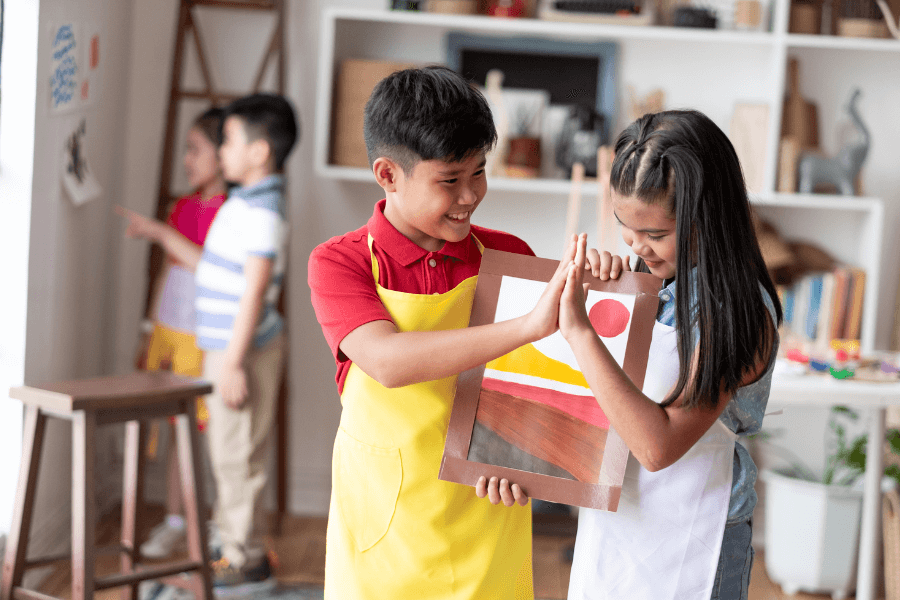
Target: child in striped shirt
x: 238, y: 281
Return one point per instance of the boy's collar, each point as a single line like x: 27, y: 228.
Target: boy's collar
x: 269, y: 181
x: 405, y: 251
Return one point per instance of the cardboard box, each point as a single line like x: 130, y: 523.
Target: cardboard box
x: 354, y: 84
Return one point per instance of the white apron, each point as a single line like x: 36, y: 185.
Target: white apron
x: 664, y: 540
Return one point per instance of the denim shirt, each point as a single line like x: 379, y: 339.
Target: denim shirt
x: 743, y: 415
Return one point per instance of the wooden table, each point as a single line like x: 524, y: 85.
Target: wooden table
x: 874, y: 398
x: 88, y: 404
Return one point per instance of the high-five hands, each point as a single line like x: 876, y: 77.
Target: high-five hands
x: 573, y: 317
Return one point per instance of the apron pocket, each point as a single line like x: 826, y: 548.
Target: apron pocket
x: 367, y: 487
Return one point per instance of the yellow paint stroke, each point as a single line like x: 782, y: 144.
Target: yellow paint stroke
x: 528, y: 360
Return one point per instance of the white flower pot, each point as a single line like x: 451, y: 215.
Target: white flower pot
x: 812, y: 535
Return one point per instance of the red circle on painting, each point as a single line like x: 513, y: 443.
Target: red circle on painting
x: 609, y: 317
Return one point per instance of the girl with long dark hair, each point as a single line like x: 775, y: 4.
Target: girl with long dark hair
x: 683, y: 525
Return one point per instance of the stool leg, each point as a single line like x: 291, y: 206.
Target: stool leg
x: 17, y: 543
x: 84, y: 426
x: 132, y: 500
x: 192, y: 492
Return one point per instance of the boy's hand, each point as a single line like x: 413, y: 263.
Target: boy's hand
x: 500, y: 491
x: 233, y: 386
x: 543, y: 320
x: 139, y: 226
x: 573, y: 315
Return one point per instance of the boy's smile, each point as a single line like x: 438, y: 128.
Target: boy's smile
x: 434, y: 203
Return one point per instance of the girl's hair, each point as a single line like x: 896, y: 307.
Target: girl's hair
x: 210, y: 124
x: 682, y: 159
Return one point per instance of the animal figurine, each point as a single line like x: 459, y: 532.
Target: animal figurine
x: 841, y: 170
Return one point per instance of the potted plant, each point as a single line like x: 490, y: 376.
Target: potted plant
x: 811, y: 523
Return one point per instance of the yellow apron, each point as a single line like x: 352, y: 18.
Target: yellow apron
x: 394, y: 530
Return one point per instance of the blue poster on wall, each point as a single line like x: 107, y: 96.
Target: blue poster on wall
x: 64, y: 48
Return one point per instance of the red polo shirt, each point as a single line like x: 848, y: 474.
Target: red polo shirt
x: 344, y: 295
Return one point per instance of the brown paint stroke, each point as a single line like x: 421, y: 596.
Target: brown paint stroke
x: 545, y: 432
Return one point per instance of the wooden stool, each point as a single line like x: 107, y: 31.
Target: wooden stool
x: 88, y: 404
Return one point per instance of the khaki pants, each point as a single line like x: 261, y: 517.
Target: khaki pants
x: 239, y: 447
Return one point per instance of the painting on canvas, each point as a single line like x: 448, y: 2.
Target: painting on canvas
x: 529, y: 416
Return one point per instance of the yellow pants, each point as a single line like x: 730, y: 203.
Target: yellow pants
x: 177, y: 351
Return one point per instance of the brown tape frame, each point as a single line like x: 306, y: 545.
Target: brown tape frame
x: 455, y: 467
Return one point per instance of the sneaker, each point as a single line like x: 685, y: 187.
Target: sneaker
x: 163, y: 541
x: 225, y: 575
x: 213, y: 541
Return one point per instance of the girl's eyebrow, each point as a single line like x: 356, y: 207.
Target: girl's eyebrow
x: 639, y: 230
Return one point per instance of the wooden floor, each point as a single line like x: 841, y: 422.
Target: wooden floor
x: 300, y: 552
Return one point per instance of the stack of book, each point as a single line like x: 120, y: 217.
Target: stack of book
x: 824, y: 306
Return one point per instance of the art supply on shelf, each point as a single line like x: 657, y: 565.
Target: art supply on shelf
x: 619, y: 12
x: 453, y: 7
x: 692, y: 16
x: 806, y: 17
x: 574, y: 209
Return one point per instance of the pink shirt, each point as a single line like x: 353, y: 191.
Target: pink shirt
x: 193, y: 216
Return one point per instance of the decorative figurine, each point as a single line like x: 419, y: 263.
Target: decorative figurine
x: 841, y: 170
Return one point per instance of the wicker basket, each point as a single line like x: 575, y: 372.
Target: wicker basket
x: 891, y: 518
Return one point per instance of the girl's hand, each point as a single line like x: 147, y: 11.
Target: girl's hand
x: 500, y: 491
x: 141, y: 227
x: 606, y: 266
x: 573, y: 315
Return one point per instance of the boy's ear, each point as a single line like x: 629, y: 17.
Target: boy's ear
x: 387, y: 172
x: 261, y: 153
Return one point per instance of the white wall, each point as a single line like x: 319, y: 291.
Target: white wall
x: 65, y: 331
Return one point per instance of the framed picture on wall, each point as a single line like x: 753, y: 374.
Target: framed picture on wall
x: 574, y: 73
x: 529, y: 416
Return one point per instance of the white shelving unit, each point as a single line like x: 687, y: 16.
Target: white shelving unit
x: 745, y: 66
x: 711, y: 70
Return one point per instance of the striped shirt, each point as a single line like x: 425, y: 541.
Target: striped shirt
x: 252, y: 222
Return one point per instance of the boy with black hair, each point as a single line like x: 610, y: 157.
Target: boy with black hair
x: 393, y: 299
x: 238, y: 280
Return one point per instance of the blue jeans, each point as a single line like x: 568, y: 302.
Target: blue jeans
x: 735, y: 562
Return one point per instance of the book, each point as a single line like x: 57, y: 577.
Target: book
x: 842, y: 278
x: 854, y: 310
x: 826, y: 307
x: 815, y: 302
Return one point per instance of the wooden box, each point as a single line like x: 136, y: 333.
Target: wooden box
x: 354, y: 84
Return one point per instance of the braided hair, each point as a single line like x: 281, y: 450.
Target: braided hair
x: 683, y: 159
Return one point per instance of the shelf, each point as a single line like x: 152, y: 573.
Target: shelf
x: 561, y: 187
x: 825, y: 391
x: 842, y: 43
x: 495, y: 184
x: 817, y: 201
x: 560, y: 29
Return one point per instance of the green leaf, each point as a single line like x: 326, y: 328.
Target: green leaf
x: 893, y: 438
x: 893, y: 471
x: 856, y: 457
